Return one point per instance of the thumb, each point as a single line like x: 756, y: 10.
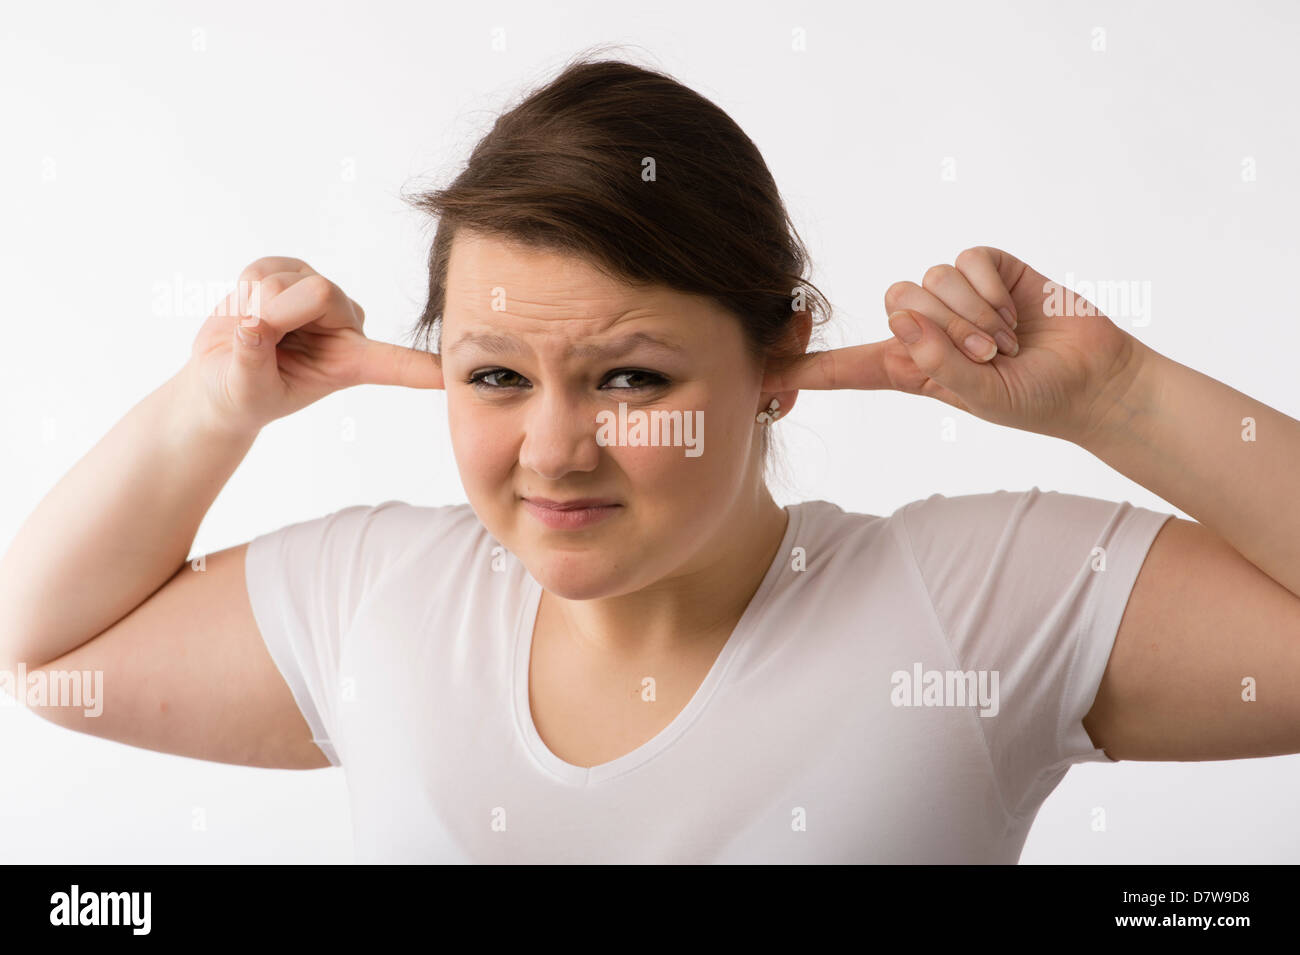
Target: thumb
x: 936, y: 356
x: 254, y: 347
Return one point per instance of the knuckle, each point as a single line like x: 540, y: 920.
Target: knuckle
x: 253, y: 271
x: 958, y: 328
x: 972, y: 256
x: 270, y: 264
x: 936, y: 274
x: 270, y: 284
x: 989, y: 318
x: 895, y: 293
x: 320, y: 290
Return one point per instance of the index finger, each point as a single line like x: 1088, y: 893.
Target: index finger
x: 385, y: 364
x: 857, y: 366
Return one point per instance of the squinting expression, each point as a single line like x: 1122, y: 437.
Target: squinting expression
x: 535, y: 344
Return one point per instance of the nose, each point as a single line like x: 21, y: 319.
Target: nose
x: 559, y: 437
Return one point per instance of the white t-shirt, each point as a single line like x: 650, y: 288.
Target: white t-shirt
x: 830, y: 729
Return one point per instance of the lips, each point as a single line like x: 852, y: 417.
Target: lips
x: 571, y: 515
x: 574, y: 504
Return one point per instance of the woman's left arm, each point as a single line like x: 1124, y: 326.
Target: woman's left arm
x: 1228, y: 460
x: 1206, y: 662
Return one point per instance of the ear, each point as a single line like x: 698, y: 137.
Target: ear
x: 794, y: 345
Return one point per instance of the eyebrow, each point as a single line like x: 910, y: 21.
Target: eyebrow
x: 505, y: 345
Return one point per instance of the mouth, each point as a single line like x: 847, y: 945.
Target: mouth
x: 571, y: 514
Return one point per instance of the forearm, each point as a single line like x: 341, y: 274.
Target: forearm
x: 1183, y: 436
x: 115, y: 528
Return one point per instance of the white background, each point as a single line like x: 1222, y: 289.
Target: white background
x: 160, y: 146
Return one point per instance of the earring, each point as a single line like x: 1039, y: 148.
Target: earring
x: 771, y: 414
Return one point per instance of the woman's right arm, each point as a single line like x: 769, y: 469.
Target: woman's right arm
x: 116, y: 527
x: 98, y: 578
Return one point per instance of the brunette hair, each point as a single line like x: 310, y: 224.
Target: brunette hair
x: 647, y: 180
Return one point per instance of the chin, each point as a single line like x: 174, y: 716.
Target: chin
x: 579, y: 576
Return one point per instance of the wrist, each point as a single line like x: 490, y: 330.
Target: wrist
x: 1126, y: 406
x: 191, y: 413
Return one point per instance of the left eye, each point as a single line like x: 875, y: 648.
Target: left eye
x: 654, y: 379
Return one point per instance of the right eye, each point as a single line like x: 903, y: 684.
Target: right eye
x: 480, y: 379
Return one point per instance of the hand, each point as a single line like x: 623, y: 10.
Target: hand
x: 1069, y: 366
x: 308, y: 343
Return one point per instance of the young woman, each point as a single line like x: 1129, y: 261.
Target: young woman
x: 621, y: 649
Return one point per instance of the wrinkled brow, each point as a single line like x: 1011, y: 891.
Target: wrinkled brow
x: 496, y: 344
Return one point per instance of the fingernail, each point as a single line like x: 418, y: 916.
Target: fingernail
x: 980, y: 348
x: 1006, y: 342
x: 905, y: 327
x: 247, y: 336
x: 1008, y: 317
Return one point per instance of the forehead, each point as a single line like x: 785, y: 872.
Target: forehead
x: 487, y: 274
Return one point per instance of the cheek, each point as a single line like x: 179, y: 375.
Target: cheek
x: 720, y: 433
x: 482, y: 448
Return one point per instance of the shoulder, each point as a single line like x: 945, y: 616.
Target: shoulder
x: 1024, y: 557
x: 1045, y: 519
x: 940, y: 520
x: 828, y: 539
x: 977, y: 511
x: 944, y: 524
x: 398, y: 528
x: 828, y: 526
x: 375, y: 535
x: 1026, y: 547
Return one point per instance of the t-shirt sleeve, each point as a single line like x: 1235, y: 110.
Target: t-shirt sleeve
x: 305, y: 582
x: 1032, y: 585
